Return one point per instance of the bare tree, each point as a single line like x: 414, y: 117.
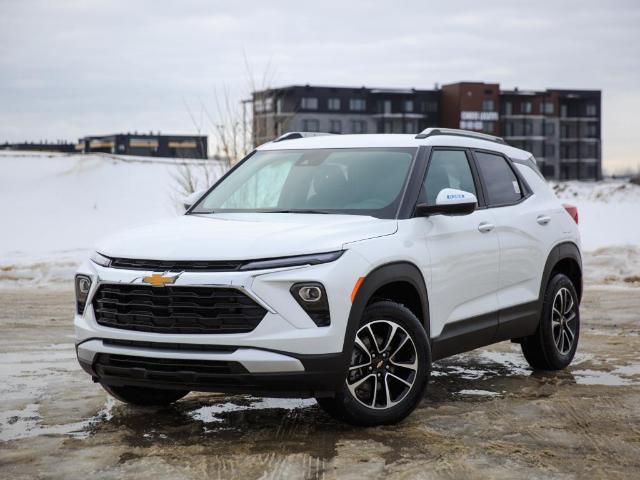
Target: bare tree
x: 231, y: 128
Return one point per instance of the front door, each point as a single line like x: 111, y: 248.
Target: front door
x: 464, y: 253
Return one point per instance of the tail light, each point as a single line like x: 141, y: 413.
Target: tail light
x: 572, y: 210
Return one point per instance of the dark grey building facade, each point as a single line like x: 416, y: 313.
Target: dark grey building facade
x: 149, y: 145
x: 562, y: 128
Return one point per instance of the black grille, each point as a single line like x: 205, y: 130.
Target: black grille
x: 173, y: 309
x: 167, y: 370
x: 177, y: 266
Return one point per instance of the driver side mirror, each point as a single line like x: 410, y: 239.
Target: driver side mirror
x: 193, y: 198
x: 449, y: 202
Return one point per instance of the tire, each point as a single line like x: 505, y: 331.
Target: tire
x: 554, y: 344
x: 144, y: 397
x: 401, y: 367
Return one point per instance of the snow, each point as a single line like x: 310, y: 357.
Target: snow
x: 608, y: 211
x: 54, y: 208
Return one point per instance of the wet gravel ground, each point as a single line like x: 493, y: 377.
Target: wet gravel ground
x: 486, y: 414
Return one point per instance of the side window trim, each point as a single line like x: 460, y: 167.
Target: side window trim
x: 470, y: 161
x: 525, y: 191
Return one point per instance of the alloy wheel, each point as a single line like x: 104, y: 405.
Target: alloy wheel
x: 563, y: 321
x: 384, y: 365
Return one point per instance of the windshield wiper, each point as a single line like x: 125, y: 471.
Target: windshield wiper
x: 296, y: 211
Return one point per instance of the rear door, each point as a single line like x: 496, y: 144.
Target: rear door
x: 464, y: 257
x: 521, y: 225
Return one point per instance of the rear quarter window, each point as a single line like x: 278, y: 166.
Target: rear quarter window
x: 502, y: 187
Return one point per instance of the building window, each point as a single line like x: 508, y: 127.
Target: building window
x: 549, y: 150
x: 563, y: 111
x: 528, y: 128
x: 309, y: 103
x: 335, y: 126
x: 592, y: 130
x: 408, y: 106
x: 508, y: 108
x: 428, y: 107
x: 591, y: 110
x: 279, y: 105
x: 487, y: 105
x: 410, y: 126
x: 508, y: 129
x: 310, y: 125
x: 333, y: 104
x: 359, y: 126
x: 527, y: 107
x: 487, y: 127
x: 549, y: 108
x: 549, y: 129
x: 386, y: 106
x: 357, y: 104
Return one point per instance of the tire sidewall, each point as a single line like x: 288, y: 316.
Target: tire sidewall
x: 360, y: 414
x: 550, y: 351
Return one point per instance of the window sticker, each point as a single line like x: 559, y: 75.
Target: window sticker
x: 516, y: 187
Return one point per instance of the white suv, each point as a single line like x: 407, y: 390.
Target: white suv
x: 337, y: 267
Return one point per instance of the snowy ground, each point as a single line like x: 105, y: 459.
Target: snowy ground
x: 54, y: 207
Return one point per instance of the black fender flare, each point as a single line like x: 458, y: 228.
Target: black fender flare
x: 379, y: 277
x: 559, y: 252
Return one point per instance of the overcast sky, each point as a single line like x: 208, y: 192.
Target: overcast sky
x: 72, y: 68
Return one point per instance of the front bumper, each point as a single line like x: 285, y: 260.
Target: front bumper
x: 242, y: 370
x: 287, y: 354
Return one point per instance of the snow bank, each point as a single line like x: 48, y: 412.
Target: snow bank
x: 54, y: 207
x: 609, y: 211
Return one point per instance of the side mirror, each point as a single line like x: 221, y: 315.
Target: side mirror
x: 449, y: 202
x: 193, y: 198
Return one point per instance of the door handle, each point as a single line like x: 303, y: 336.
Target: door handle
x: 543, y: 219
x: 485, y: 227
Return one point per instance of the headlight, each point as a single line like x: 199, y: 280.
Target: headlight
x: 100, y: 259
x: 312, y: 297
x: 83, y: 285
x: 298, y: 260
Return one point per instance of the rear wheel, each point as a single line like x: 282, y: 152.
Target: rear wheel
x: 554, y: 344
x: 143, y: 396
x: 388, y: 371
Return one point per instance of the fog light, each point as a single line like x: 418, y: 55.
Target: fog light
x: 310, y: 294
x: 313, y: 300
x: 83, y: 285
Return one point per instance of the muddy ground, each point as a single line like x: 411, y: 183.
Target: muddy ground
x: 486, y: 414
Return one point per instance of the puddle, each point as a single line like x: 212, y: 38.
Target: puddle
x: 211, y: 413
x: 595, y: 377
x: 618, y: 377
x: 480, y: 393
x: 27, y: 423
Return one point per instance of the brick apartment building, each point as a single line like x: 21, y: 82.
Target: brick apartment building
x: 562, y: 128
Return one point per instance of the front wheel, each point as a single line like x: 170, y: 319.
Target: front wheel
x: 554, y: 344
x: 388, y: 371
x: 143, y: 396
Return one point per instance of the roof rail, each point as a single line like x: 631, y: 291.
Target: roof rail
x: 460, y: 133
x: 294, y: 135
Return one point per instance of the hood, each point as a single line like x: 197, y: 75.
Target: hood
x: 243, y: 236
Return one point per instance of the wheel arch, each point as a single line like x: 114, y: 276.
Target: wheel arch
x: 564, y: 258
x: 389, y: 276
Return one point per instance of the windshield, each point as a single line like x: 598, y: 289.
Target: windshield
x: 361, y: 181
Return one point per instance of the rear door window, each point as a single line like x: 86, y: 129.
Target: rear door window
x: 501, y: 184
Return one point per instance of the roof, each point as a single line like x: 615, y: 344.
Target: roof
x: 392, y: 140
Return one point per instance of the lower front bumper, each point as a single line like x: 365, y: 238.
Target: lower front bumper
x: 228, y: 370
